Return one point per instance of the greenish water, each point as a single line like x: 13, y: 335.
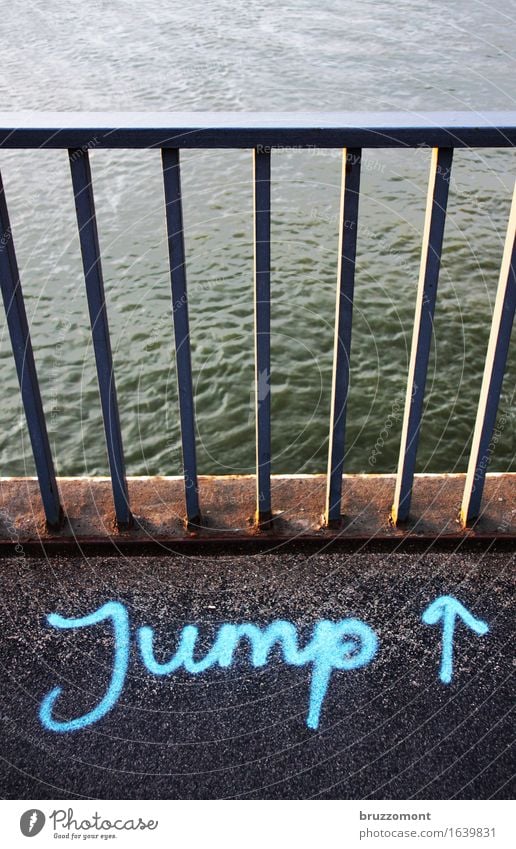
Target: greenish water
x: 152, y: 56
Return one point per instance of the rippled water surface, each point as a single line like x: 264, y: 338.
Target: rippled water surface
x: 219, y: 55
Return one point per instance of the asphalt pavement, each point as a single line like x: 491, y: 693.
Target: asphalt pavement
x: 387, y: 729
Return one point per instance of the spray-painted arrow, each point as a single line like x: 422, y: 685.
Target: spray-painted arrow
x: 446, y: 609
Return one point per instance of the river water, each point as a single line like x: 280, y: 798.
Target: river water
x: 410, y: 55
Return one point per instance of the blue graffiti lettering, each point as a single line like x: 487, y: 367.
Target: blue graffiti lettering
x: 118, y: 614
x: 329, y: 649
x: 345, y: 645
x: 348, y: 644
x: 446, y: 609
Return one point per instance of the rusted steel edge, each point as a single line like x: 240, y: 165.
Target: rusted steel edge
x: 266, y: 544
x: 160, y: 527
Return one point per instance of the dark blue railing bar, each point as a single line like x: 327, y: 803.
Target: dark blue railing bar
x: 435, y: 218
x: 176, y: 251
x: 496, y: 360
x: 262, y: 330
x: 262, y: 133
x: 350, y: 193
x: 26, y: 369
x: 90, y: 250
x: 252, y: 129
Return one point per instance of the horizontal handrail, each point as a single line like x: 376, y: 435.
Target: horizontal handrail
x: 262, y: 133
x: 252, y: 129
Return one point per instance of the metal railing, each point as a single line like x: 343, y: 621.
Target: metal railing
x: 262, y: 133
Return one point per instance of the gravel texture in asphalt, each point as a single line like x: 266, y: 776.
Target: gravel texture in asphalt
x: 388, y: 730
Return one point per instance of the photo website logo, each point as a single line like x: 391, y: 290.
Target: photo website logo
x: 31, y: 822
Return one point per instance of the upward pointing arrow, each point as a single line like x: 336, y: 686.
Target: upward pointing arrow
x: 447, y: 609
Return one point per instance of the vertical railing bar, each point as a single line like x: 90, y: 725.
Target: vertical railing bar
x: 350, y: 193
x: 433, y: 233
x: 262, y: 330
x: 26, y: 369
x: 90, y: 251
x: 492, y: 381
x: 176, y: 250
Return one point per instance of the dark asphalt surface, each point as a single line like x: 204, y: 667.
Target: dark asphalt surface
x: 389, y: 730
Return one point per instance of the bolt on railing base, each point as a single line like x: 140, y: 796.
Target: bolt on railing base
x: 466, y: 521
x: 125, y: 526
x: 193, y: 524
x: 263, y: 520
x: 331, y: 524
x: 56, y: 526
x: 398, y: 521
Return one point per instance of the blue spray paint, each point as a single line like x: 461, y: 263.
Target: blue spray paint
x: 446, y: 609
x: 118, y: 614
x: 345, y: 645
x: 348, y: 644
x: 222, y: 651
